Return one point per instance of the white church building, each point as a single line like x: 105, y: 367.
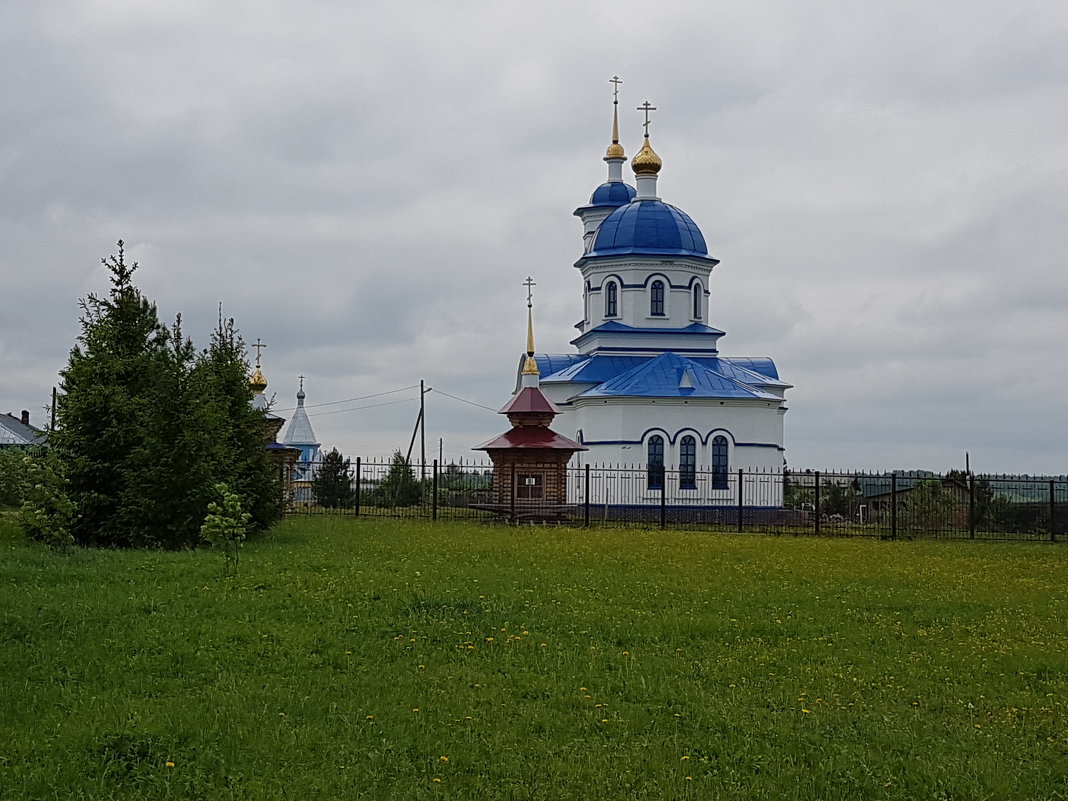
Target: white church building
x: 647, y: 387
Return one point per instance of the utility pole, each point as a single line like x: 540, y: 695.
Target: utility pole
x: 422, y: 432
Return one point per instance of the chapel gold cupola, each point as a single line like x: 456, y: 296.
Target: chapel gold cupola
x: 646, y: 164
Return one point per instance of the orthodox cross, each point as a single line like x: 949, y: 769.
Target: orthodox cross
x: 615, y: 89
x: 646, y: 107
x: 529, y: 284
x: 258, y: 346
x: 301, y: 382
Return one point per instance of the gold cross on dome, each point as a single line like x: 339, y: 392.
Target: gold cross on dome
x: 529, y: 284
x: 258, y: 346
x: 301, y: 382
x: 646, y: 107
x: 615, y: 89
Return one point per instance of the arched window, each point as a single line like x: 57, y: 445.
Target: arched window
x: 586, y: 303
x: 611, y: 300
x: 656, y: 462
x: 697, y: 293
x: 719, y: 463
x: 688, y: 463
x: 656, y: 299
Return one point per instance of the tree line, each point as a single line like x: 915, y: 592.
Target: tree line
x: 147, y: 428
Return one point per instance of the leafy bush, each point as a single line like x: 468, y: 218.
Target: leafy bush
x: 47, y: 512
x: 226, y: 525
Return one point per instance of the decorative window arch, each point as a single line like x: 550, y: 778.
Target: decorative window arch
x: 586, y: 303
x: 688, y: 463
x: 698, y: 297
x: 611, y: 299
x: 655, y: 461
x: 720, y: 462
x: 656, y: 298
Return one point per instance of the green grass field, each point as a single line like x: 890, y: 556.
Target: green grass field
x: 382, y: 660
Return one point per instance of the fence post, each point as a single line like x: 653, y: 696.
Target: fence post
x: 511, y: 495
x: 1052, y: 510
x: 356, y: 497
x: 971, y: 506
x: 586, y: 503
x: 434, y: 502
x: 741, y: 498
x: 893, y: 505
x: 663, y: 501
x: 816, y: 506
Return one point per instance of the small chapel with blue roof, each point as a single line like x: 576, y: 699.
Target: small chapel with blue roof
x: 647, y: 387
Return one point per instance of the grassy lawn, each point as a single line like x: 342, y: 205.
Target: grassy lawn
x: 392, y: 660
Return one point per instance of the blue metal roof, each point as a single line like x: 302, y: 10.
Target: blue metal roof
x: 612, y: 193
x: 649, y: 226
x: 670, y: 375
x: 595, y: 369
x: 549, y: 363
x: 743, y: 369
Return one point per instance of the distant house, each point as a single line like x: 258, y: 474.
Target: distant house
x: 16, y: 432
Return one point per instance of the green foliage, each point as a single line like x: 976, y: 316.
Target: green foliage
x: 399, y: 487
x: 836, y: 499
x: 147, y: 426
x: 47, y: 512
x: 238, y: 456
x: 226, y: 526
x: 11, y: 477
x: 332, y: 485
x: 551, y: 663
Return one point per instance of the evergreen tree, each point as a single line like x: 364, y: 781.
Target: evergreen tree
x: 105, y: 406
x: 238, y: 456
x: 146, y: 428
x: 332, y: 485
x: 399, y: 487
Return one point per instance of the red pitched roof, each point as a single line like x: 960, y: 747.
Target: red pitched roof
x: 529, y: 399
x: 531, y: 438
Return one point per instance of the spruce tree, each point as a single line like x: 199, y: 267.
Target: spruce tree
x: 239, y: 457
x: 332, y: 485
x: 399, y: 487
x: 105, y: 406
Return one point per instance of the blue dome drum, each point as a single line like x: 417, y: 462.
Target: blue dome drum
x: 612, y: 193
x: 649, y: 227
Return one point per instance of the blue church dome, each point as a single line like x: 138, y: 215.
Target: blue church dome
x: 649, y: 226
x: 612, y: 193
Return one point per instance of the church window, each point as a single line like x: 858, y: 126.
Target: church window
x: 529, y: 486
x: 656, y: 462
x: 586, y: 303
x: 656, y: 299
x: 688, y: 463
x: 697, y: 293
x: 719, y: 463
x: 611, y: 300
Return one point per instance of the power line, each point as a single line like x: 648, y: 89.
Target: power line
x: 463, y: 400
x: 350, y: 400
x: 368, y: 406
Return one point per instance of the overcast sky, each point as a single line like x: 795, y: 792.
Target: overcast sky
x: 365, y: 186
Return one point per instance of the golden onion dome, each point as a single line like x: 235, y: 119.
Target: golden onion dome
x: 615, y: 151
x: 530, y: 366
x: 646, y: 162
x: 257, y: 381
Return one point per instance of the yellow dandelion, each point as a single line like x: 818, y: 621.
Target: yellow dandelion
x: 170, y: 764
x: 806, y: 711
x: 689, y: 778
x: 444, y: 758
x: 437, y: 780
x: 686, y: 757
x: 415, y: 709
x: 370, y: 717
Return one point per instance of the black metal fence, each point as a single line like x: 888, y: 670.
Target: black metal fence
x: 888, y: 505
